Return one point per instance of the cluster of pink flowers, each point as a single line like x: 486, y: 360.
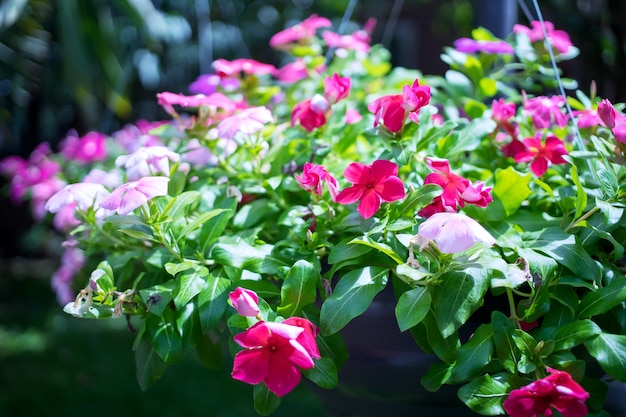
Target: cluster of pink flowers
x: 274, y: 352
x: 392, y: 111
x: 312, y: 113
x: 559, y: 39
x: 541, y: 150
x: 558, y: 390
x: 457, y: 191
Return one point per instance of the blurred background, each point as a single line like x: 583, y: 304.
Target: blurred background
x: 97, y: 65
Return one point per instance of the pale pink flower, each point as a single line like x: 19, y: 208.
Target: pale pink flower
x: 371, y: 184
x: 65, y: 219
x: 248, y: 121
x: 41, y: 192
x: 471, y: 46
x: 234, y: 68
x: 213, y: 101
x: 150, y: 160
x: 355, y: 42
x: 72, y: 261
x: 198, y: 155
x: 244, y: 301
x: 272, y: 355
x: 109, y: 179
x: 83, y: 194
x: 353, y: 116
x: 453, y: 232
x: 133, y: 136
x: 127, y: 197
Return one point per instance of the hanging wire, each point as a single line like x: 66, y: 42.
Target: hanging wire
x: 342, y: 27
x: 526, y: 10
x: 392, y: 22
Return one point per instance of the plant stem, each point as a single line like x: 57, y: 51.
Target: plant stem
x: 582, y: 218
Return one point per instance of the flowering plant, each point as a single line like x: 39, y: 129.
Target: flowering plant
x: 278, y: 202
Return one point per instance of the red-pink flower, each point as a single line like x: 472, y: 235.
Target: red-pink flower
x: 587, y: 118
x: 273, y: 356
x: 541, y: 155
x: 502, y: 111
x: 127, y: 197
x: 607, y: 113
x: 371, y: 184
x: 391, y: 111
x: 89, y: 148
x: 312, y: 179
x: 308, y: 337
x: 336, y: 88
x: 545, y: 110
x: 559, y: 39
x: 452, y: 232
x: 558, y: 390
x: 311, y: 113
x: 245, y: 301
x: 299, y: 32
x: 292, y: 72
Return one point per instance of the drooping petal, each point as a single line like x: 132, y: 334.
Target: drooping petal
x: 369, y: 205
x: 251, y: 366
x: 282, y: 376
x: 350, y: 195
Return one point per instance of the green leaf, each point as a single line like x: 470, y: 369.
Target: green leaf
x: 506, y: 350
x: 511, y: 188
x: 164, y: 337
x: 149, y: 367
x: 209, y: 351
x: 245, y: 256
x: 412, y: 307
x: 438, y: 374
x: 323, y: 374
x: 565, y: 250
x: 177, y: 207
x: 610, y: 352
x: 488, y: 87
x: 189, y: 285
x: 174, y: 268
x: 298, y: 289
x: 215, y: 226
x: 386, y: 249
x: 573, y: 334
x: 212, y: 302
x: 581, y: 195
x: 157, y: 297
x: 603, y: 299
x: 199, y: 221
x: 351, y: 297
x: 526, y: 345
x: 460, y: 294
x: 265, y: 401
x: 444, y: 347
x: 473, y: 356
x: 486, y: 394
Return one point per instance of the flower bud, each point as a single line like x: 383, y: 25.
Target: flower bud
x: 244, y: 301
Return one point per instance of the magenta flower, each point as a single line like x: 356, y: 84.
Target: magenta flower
x: 336, y: 88
x: 311, y: 113
x: 587, y: 118
x: 273, y: 356
x: 236, y: 67
x: 247, y: 121
x: 145, y: 161
x: 308, y: 337
x: 559, y: 39
x: 542, y: 155
x: 607, y: 113
x: 205, y: 84
x: 127, y: 197
x: 371, y: 184
x: 353, y: 116
x: 83, y: 194
x: 246, y: 302
x: 558, y: 390
x: 312, y: 179
x: 502, y: 111
x: 86, y: 149
x: 452, y: 232
x: 453, y: 185
x: 214, y: 101
x: 391, y: 111
x: 471, y: 46
x: 358, y: 41
x: 545, y: 110
x: 299, y: 32
x: 292, y: 72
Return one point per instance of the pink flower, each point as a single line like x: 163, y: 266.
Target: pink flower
x: 41, y: 192
x: 213, y: 101
x: 371, y: 184
x: 246, y: 302
x: 88, y: 148
x: 513, y: 148
x: 308, y: 337
x: 299, y: 32
x: 502, y: 111
x: 558, y: 390
x: 453, y: 232
x: 620, y: 131
x: 109, y: 179
x: 312, y: 179
x: 587, y: 118
x: 127, y: 197
x: 248, y: 121
x: 83, y: 194
x: 546, y: 109
x: 336, y: 88
x: 541, y: 156
x: 607, y: 113
x: 391, y: 111
x: 559, y: 39
x: 453, y: 185
x: 353, y: 116
x: 65, y: 219
x: 477, y: 195
x: 292, y: 72
x: 146, y: 161
x: 131, y: 137
x: 358, y: 41
x: 273, y: 356
x: 310, y: 113
x: 72, y: 261
x: 205, y: 84
x: 234, y: 68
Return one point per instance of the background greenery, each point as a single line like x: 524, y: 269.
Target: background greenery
x: 96, y: 65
